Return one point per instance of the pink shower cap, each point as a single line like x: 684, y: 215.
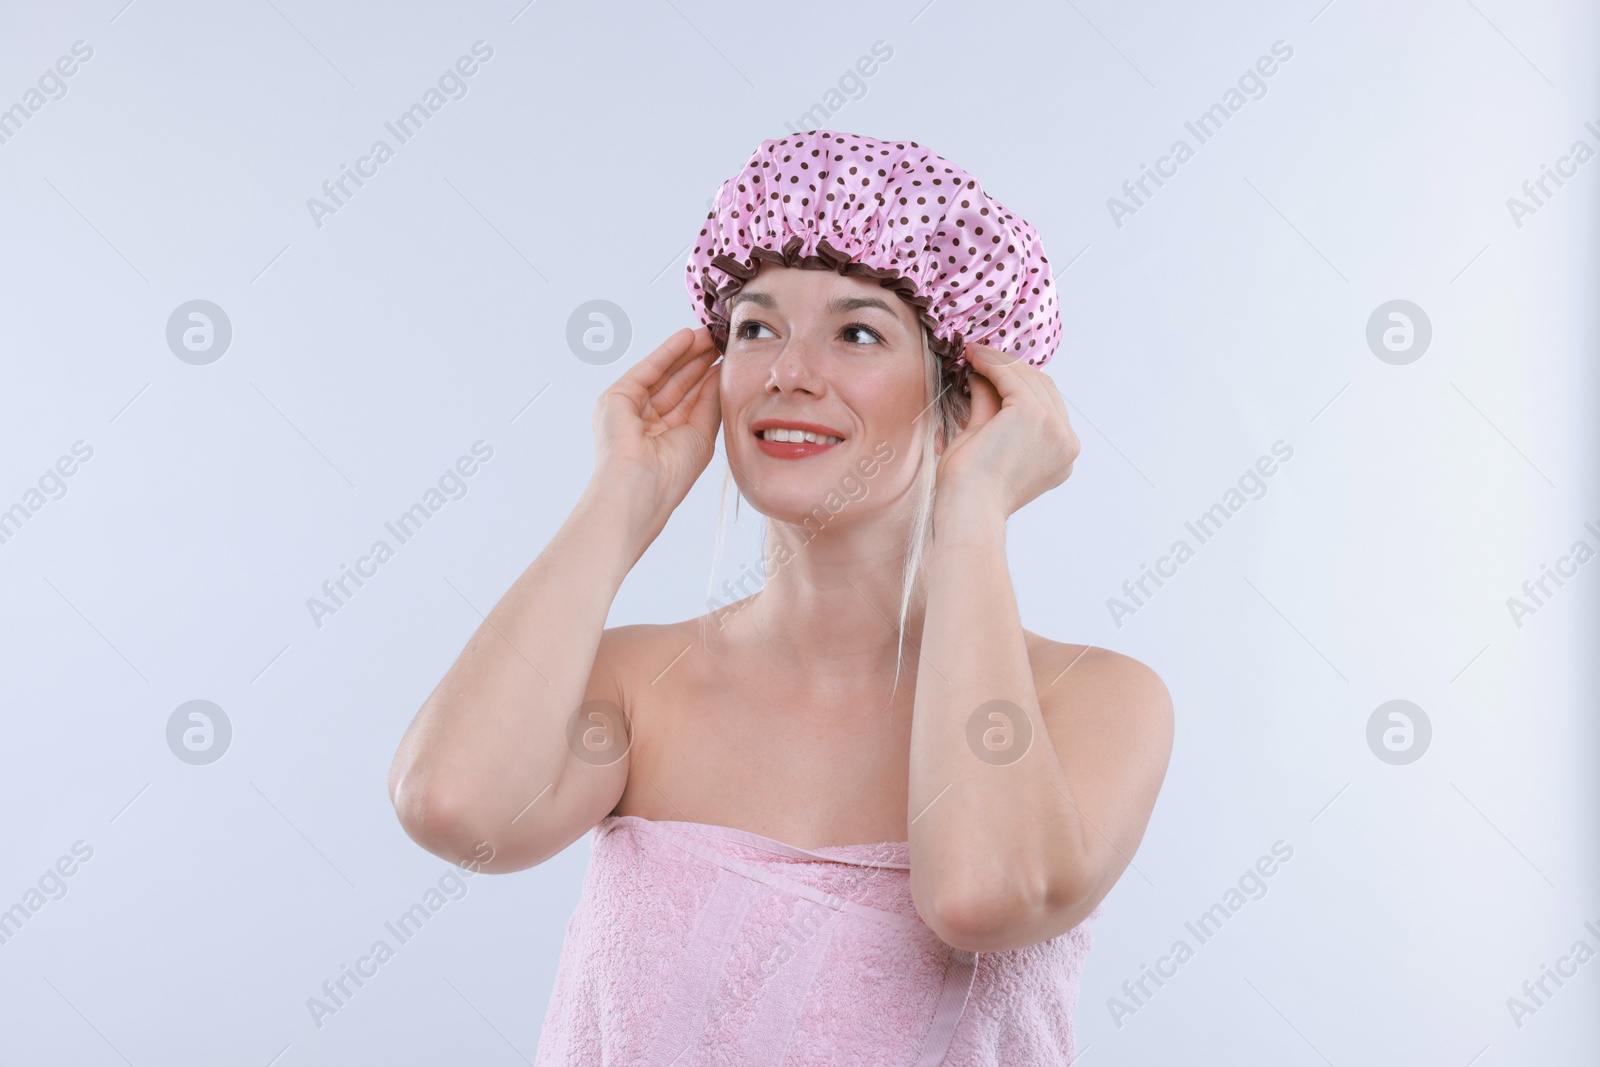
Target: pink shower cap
x: 889, y: 210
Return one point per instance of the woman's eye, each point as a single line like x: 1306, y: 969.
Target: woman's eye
x: 746, y: 325
x: 870, y: 334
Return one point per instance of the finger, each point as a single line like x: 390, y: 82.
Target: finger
x: 705, y: 409
x: 682, y: 391
x: 670, y: 395
x: 1053, y: 392
x: 696, y: 416
x: 644, y: 379
x: 997, y: 366
x: 1060, y: 403
x: 1010, y: 374
x: 986, y: 400
x: 659, y: 364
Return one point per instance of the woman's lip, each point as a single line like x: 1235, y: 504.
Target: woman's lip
x: 761, y: 425
x: 791, y: 449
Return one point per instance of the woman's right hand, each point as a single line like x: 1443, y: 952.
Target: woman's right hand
x: 656, y: 426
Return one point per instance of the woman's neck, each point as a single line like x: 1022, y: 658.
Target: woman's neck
x: 831, y: 604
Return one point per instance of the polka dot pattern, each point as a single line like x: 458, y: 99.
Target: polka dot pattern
x: 891, y: 211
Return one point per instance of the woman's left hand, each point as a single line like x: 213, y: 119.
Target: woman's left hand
x: 1018, y: 442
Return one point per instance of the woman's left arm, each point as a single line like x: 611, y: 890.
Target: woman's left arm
x: 1027, y: 801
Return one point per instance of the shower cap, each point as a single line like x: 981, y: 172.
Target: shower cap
x: 889, y: 210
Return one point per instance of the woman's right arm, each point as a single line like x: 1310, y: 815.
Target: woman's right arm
x: 486, y: 773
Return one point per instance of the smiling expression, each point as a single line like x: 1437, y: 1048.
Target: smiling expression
x: 819, y: 369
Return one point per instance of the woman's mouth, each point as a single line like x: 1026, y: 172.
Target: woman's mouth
x: 794, y: 442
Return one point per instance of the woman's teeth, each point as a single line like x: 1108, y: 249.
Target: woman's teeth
x: 799, y: 435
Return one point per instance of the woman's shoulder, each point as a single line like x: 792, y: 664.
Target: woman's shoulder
x: 637, y: 653
x: 1044, y: 651
x: 641, y: 643
x: 650, y: 638
x: 646, y: 636
x: 1069, y: 674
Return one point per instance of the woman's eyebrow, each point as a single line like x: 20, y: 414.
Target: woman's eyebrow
x: 759, y: 298
x: 851, y: 303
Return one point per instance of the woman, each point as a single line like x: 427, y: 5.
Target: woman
x: 862, y: 815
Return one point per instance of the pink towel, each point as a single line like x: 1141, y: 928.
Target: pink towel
x: 696, y: 944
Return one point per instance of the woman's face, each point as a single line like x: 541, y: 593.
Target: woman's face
x: 840, y: 356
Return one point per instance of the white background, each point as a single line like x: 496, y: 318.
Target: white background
x: 369, y: 353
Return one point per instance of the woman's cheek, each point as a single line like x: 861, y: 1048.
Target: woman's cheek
x: 743, y: 377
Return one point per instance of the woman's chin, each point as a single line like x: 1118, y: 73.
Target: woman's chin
x: 810, y: 502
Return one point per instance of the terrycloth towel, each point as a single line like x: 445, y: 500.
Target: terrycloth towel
x: 696, y: 944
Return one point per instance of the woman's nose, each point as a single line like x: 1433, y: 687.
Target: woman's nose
x: 794, y: 367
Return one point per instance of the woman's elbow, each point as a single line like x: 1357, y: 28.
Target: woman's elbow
x: 1033, y: 910
x: 429, y: 816
x: 438, y: 819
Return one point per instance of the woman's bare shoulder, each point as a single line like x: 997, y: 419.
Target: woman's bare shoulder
x: 1108, y: 714
x: 1071, y: 675
x: 636, y: 644
x: 638, y: 652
